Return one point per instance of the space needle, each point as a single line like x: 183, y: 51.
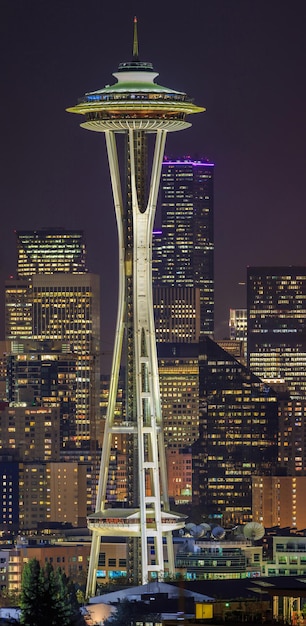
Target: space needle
x: 140, y: 110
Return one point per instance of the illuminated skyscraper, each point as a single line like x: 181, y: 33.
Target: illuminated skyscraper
x: 292, y: 435
x: 276, y: 304
x: 139, y: 108
x: 177, y: 314
x: 183, y: 253
x: 44, y: 374
x: 280, y: 501
x: 60, y: 303
x: 238, y: 434
x: 179, y: 385
x: 33, y: 432
x: 238, y: 324
x: 18, y: 309
x: 49, y: 251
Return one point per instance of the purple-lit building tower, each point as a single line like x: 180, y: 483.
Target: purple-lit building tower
x: 183, y: 254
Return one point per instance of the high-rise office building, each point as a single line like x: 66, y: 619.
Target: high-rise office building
x: 183, y: 254
x: 140, y: 109
x: 4, y: 349
x: 179, y: 465
x: 33, y: 432
x: 178, y: 366
x: 66, y: 308
x: 234, y: 347
x: 43, y: 373
x: 61, y: 303
x: 51, y: 492
x: 49, y: 251
x: 9, y: 485
x: 292, y: 435
x: 18, y: 309
x: 177, y: 314
x: 280, y: 501
x: 238, y: 323
x: 276, y: 304
x: 238, y: 328
x: 238, y: 434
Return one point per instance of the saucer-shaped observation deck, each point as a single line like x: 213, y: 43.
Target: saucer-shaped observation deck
x: 135, y: 101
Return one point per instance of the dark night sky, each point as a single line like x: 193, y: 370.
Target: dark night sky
x: 244, y: 60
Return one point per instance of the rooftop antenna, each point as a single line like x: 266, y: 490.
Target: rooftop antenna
x: 135, y: 42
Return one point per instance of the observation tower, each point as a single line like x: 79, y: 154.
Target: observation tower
x: 139, y: 109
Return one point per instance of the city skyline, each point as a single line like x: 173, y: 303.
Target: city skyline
x: 244, y: 61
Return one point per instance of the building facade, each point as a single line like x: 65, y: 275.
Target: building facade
x: 289, y: 557
x: 219, y: 560
x: 279, y: 501
x: 50, y: 251
x: 10, y: 486
x: 177, y: 314
x: 44, y: 374
x: 238, y: 324
x: 72, y: 559
x: 178, y: 367
x: 179, y: 466
x: 183, y: 253
x: 238, y: 424
x: 32, y: 432
x: 292, y: 435
x: 276, y: 305
x: 238, y: 329
x: 54, y: 298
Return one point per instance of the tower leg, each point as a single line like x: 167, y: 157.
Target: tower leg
x: 93, y: 561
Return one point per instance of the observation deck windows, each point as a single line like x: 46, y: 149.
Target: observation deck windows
x: 129, y: 95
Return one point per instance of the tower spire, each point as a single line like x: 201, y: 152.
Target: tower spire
x: 135, y: 42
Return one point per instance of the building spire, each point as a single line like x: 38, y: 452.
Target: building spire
x: 135, y: 42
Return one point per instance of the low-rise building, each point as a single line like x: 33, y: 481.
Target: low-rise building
x: 289, y: 557
x: 214, y: 560
x: 72, y: 559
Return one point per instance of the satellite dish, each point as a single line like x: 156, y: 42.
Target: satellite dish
x: 189, y: 528
x: 196, y: 531
x: 199, y: 531
x: 206, y: 528
x: 218, y: 533
x: 253, y: 531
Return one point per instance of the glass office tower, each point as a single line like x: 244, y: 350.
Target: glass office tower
x: 238, y: 427
x: 183, y: 254
x: 49, y: 251
x: 276, y: 307
x: 55, y: 298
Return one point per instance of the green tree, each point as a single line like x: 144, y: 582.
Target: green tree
x: 58, y: 609
x: 46, y: 597
x: 32, y: 591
